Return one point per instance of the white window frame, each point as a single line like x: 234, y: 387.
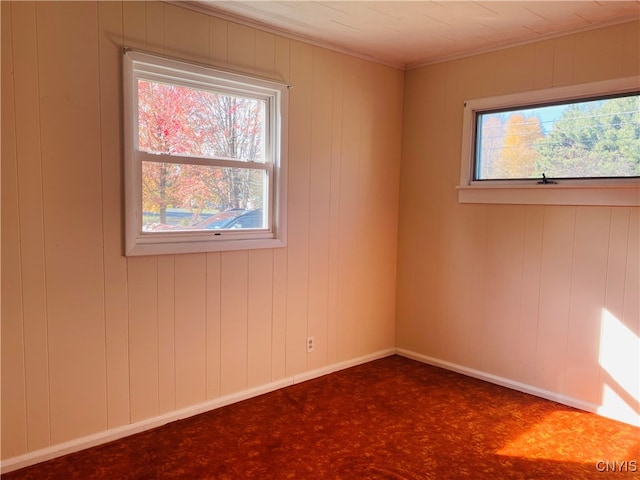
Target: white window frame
x: 605, y: 191
x: 139, y: 65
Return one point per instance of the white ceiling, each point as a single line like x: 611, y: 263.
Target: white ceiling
x: 412, y: 33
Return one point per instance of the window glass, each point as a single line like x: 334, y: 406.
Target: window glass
x: 205, y: 158
x: 190, y: 197
x: 585, y: 139
x: 178, y: 120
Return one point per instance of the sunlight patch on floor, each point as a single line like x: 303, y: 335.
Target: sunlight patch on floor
x: 564, y: 436
x: 614, y: 406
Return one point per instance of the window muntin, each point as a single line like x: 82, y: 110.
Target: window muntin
x: 579, y: 139
x: 202, y: 143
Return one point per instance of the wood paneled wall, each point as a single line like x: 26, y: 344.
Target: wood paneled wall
x: 92, y: 340
x: 521, y: 292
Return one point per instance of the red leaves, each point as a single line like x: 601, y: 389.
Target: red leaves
x: 180, y: 120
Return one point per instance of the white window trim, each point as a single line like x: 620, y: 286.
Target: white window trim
x: 137, y: 64
x: 612, y: 192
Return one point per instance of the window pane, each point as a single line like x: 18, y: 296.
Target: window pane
x: 591, y: 139
x: 196, y: 197
x: 186, y: 121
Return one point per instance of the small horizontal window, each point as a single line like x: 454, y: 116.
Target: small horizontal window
x: 597, y: 138
x: 204, y: 159
x: 579, y: 136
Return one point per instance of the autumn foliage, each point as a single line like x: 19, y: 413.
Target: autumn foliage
x: 590, y: 139
x: 187, y: 122
x: 518, y: 155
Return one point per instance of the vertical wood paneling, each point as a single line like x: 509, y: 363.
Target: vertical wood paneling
x: 143, y: 336
x: 381, y: 206
x: 14, y: 402
x: 298, y: 208
x: 505, y: 226
x: 512, y: 70
x: 544, y: 273
x: 446, y: 326
x: 478, y: 236
x: 563, y: 58
x: 282, y: 59
x: 68, y: 75
x: 31, y: 224
x: 543, y: 66
x: 234, y: 311
x: 630, y: 57
x: 213, y: 325
x: 112, y: 340
x: 360, y: 337
x: 319, y: 205
x: 190, y: 329
x: 598, y: 55
x: 279, y: 286
x: 218, y: 37
x: 134, y: 25
x: 631, y: 314
x: 448, y: 323
x: 259, y: 317
x: 186, y: 34
x: 279, y: 315
x: 166, y: 333
x: 115, y: 265
x: 416, y: 291
x: 529, y: 295
x: 154, y: 26
x: 555, y: 291
x: 241, y: 55
x: 334, y: 208
x: 260, y: 320
x: 265, y: 54
x: 465, y: 244
x: 588, y: 283
x: 465, y: 233
x: 141, y: 273
x: 241, y: 48
x: 109, y: 340
x: 348, y: 219
x: 612, y: 314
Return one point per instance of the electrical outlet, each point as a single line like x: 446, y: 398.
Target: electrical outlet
x: 310, y: 344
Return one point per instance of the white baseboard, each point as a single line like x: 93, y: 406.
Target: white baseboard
x: 99, y: 438
x: 303, y: 377
x: 512, y: 384
x: 82, y: 443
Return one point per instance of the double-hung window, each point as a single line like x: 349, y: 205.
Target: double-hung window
x: 205, y: 158
x: 570, y: 145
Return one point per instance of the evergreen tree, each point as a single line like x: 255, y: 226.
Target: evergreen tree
x: 594, y: 139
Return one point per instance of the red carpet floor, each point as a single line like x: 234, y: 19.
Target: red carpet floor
x: 389, y: 419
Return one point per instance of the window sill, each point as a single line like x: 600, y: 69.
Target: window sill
x: 151, y: 248
x: 627, y: 194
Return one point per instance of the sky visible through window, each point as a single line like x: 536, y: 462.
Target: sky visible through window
x: 548, y: 115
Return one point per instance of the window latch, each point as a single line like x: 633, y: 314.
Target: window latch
x: 546, y: 181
